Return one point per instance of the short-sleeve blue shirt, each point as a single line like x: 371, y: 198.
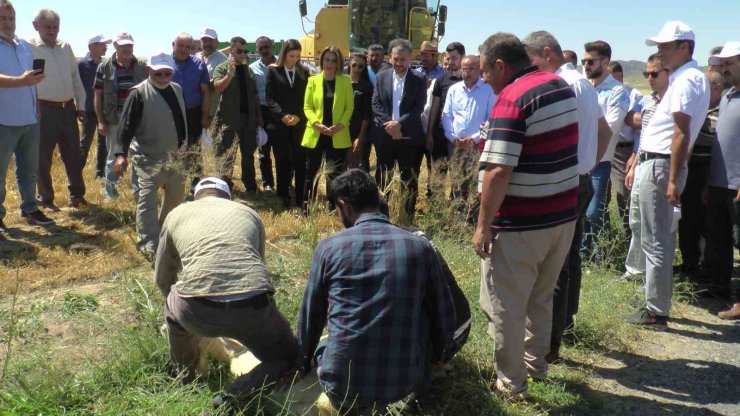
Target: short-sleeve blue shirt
x: 190, y: 75
x: 17, y: 105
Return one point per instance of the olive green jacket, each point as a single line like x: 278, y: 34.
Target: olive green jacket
x: 227, y: 116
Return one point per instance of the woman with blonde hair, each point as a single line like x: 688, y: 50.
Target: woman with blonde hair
x: 285, y: 88
x: 328, y: 104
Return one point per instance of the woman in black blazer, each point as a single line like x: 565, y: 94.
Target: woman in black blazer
x: 359, y: 124
x: 285, y: 87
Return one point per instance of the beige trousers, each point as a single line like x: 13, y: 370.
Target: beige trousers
x: 517, y: 284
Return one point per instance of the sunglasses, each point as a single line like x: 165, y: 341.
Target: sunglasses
x: 589, y: 62
x: 239, y: 51
x: 653, y: 74
x: 163, y: 74
x: 358, y: 66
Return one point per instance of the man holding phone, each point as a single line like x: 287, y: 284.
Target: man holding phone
x: 61, y: 100
x: 19, y: 124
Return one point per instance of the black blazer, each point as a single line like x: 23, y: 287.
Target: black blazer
x: 412, y: 105
x: 281, y: 98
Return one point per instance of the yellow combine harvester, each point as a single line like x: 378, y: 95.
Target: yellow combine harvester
x: 353, y: 25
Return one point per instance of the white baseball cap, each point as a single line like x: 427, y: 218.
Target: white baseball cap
x: 123, y: 38
x: 161, y: 60
x: 728, y: 51
x: 207, y: 32
x: 99, y: 39
x: 673, y: 30
x: 212, y: 183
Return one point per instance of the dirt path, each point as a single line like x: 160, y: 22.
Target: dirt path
x: 691, y: 369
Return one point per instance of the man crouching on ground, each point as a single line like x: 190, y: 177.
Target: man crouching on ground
x: 382, y: 293
x: 224, y: 290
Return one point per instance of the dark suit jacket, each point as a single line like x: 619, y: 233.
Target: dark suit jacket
x: 412, y: 105
x: 281, y: 98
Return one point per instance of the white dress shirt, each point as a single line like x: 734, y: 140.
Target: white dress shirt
x: 688, y: 93
x: 398, y: 84
x: 614, y: 102
x: 62, y: 82
x: 466, y: 110
x: 627, y: 134
x: 589, y: 113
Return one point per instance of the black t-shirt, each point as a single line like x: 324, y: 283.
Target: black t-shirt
x: 363, y: 91
x: 328, y: 102
x: 171, y: 99
x: 243, y: 102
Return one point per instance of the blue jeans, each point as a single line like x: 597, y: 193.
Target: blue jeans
x: 595, y: 211
x: 23, y: 142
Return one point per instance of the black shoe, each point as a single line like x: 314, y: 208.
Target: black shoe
x: 77, y: 202
x: 648, y: 319
x: 3, y: 231
x: 37, y: 218
x: 49, y: 206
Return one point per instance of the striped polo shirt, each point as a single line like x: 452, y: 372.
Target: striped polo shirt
x: 534, y: 127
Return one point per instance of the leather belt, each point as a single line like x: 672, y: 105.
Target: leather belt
x: 650, y: 155
x: 625, y: 144
x: 57, y: 104
x: 256, y: 302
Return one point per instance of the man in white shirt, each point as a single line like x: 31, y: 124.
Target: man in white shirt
x: 467, y: 106
x: 614, y: 104
x: 212, y: 58
x: 664, y: 148
x: 62, y: 103
x: 623, y: 151
x: 593, y: 138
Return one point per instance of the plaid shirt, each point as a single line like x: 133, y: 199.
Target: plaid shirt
x: 383, y: 292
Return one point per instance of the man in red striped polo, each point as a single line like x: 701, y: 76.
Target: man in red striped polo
x: 528, y: 207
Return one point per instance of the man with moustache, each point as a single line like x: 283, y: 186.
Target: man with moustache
x: 212, y: 57
x: 113, y: 82
x: 88, y: 67
x: 664, y: 150
x: 614, y: 103
x: 153, y: 128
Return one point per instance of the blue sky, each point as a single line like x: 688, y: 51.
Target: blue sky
x: 624, y: 25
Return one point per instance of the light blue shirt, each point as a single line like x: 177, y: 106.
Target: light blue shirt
x: 435, y: 73
x: 260, y: 76
x: 17, y: 105
x: 466, y: 110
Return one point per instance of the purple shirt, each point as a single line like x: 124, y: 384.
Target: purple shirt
x: 190, y: 75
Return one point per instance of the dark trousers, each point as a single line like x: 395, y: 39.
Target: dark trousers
x: 568, y: 288
x: 436, y: 160
x: 290, y: 158
x: 336, y: 163
x: 361, y: 159
x: 194, y: 163
x: 692, y: 225
x: 59, y: 127
x: 721, y: 217
x: 259, y: 327
x: 391, y: 152
x: 264, y: 155
x: 226, y: 151
x: 89, y: 129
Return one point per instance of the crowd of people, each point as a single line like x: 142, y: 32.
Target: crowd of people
x: 551, y: 145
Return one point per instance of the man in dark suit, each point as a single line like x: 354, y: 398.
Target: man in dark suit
x: 398, y: 101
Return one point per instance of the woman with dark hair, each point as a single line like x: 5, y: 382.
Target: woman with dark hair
x: 359, y: 155
x: 328, y: 105
x: 285, y: 88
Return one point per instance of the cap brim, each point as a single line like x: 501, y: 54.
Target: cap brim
x: 124, y: 42
x: 654, y: 41
x: 208, y: 36
x: 160, y: 66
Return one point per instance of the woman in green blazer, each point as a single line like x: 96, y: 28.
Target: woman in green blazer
x: 328, y: 104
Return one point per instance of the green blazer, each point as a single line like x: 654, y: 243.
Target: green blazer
x: 313, y: 105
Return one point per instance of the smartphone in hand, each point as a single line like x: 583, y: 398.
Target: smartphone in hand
x: 39, y: 65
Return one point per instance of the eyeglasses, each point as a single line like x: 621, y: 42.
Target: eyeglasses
x: 163, y: 74
x: 239, y: 51
x: 464, y: 69
x: 653, y: 74
x: 589, y: 62
x: 358, y: 66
